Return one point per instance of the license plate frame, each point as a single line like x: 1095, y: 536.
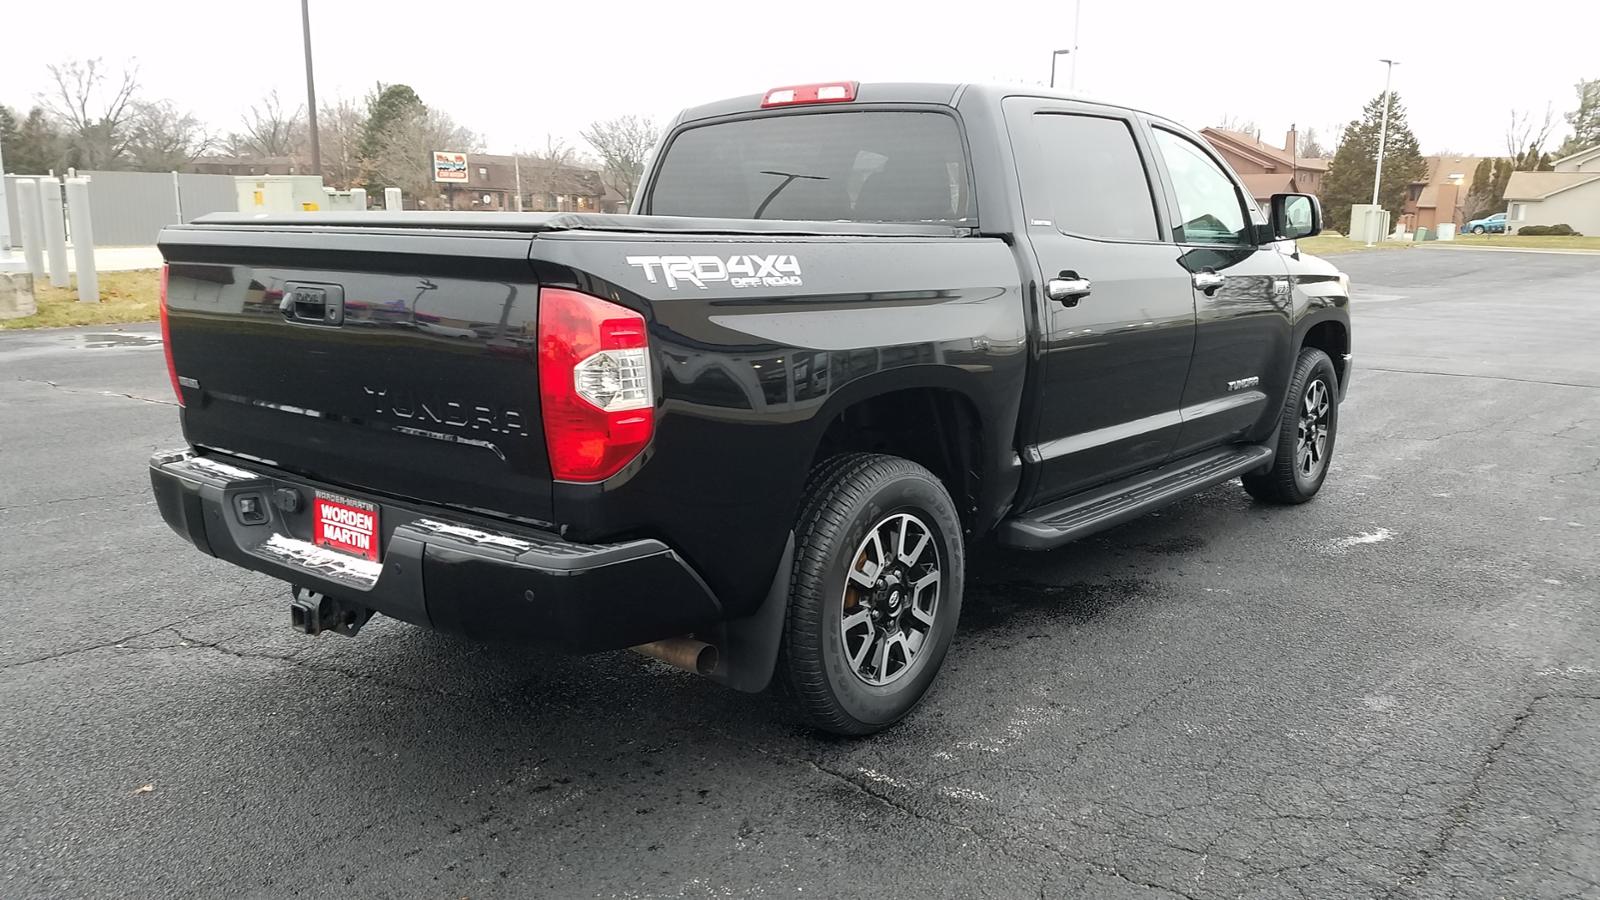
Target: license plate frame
x: 346, y: 525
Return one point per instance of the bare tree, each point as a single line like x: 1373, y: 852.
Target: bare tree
x: 162, y: 139
x: 1526, y: 137
x: 96, y: 114
x: 269, y: 130
x: 557, y: 154
x: 1310, y: 147
x: 623, y: 144
x: 1242, y: 125
x: 556, y: 171
x: 340, y: 125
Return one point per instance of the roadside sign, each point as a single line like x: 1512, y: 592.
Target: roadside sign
x: 449, y: 167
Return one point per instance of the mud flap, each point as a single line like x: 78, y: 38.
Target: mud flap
x: 749, y: 646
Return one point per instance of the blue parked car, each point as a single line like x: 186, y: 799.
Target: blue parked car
x: 1495, y: 224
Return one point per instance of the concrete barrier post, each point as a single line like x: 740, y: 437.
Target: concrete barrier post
x: 28, y: 222
x: 391, y: 199
x: 55, y: 231
x: 16, y: 295
x: 83, y: 239
x: 358, y: 199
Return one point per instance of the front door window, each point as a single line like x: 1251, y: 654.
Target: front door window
x: 1209, y: 208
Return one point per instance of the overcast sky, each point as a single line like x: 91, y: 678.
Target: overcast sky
x: 515, y: 71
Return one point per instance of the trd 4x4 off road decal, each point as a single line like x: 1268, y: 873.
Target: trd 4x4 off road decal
x: 778, y: 270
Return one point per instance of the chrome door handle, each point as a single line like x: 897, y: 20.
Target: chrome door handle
x: 1068, y: 289
x: 1207, y: 281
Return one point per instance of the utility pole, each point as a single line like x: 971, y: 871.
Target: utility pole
x: 1383, y: 136
x: 1053, y: 55
x: 1072, y: 77
x: 516, y: 164
x: 311, y: 90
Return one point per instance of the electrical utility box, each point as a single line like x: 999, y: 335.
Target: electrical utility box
x: 1368, y: 223
x: 275, y: 194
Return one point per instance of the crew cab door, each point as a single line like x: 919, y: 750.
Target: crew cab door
x: 1116, y: 337
x: 1242, y: 296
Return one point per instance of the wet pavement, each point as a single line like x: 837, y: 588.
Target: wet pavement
x: 1393, y: 691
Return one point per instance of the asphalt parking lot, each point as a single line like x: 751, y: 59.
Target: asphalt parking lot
x: 1393, y: 691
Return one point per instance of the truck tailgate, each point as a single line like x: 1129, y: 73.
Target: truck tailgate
x: 399, y: 362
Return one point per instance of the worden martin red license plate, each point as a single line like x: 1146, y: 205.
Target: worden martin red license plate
x: 344, y: 524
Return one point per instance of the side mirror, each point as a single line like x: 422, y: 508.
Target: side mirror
x: 1295, y: 216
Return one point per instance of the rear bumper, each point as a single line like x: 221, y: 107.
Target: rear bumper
x: 439, y: 568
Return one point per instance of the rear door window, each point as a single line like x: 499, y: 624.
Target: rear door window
x: 882, y: 166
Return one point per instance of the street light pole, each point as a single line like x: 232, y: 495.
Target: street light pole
x: 1053, y: 55
x: 311, y: 90
x: 1383, y: 136
x: 1077, y: 16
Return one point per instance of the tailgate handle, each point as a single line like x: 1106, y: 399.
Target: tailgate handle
x: 313, y: 304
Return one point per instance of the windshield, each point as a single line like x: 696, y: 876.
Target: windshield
x: 834, y: 166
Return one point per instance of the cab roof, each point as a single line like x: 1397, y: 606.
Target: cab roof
x: 937, y: 93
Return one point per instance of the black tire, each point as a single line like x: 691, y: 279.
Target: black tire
x: 1288, y: 480
x: 848, y: 497
x: 1478, y: 230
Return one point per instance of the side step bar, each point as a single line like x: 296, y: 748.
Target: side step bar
x: 1118, y: 502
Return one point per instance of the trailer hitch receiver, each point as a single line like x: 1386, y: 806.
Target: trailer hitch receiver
x: 313, y: 612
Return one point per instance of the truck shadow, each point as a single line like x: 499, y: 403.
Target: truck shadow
x: 497, y: 742
x: 1009, y: 594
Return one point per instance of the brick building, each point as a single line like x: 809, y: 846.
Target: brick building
x: 1265, y: 169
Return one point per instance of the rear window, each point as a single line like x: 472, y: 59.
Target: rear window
x: 836, y: 166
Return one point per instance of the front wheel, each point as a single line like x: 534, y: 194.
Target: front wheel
x: 1305, y: 434
x: 875, y: 592
x: 1477, y: 229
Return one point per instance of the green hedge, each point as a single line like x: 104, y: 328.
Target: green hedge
x: 1562, y: 230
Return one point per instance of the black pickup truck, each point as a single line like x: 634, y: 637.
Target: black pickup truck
x: 752, y: 427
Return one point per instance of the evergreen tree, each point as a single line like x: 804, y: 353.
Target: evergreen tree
x: 391, y: 110
x: 1349, y: 178
x: 387, y: 105
x: 8, y: 127
x: 1482, y: 175
x: 1481, y: 198
x: 1585, y: 120
x: 1502, y: 176
x: 33, y: 145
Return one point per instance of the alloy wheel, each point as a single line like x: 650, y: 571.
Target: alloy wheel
x: 1311, y: 441
x: 891, y: 598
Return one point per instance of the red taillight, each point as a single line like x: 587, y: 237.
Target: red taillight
x: 594, y: 385
x: 166, y: 339
x: 826, y: 92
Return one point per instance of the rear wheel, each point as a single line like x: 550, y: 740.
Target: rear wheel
x: 1305, y: 434
x: 875, y: 592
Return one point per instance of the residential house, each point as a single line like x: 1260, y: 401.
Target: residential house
x: 1441, y: 197
x: 1570, y: 195
x: 1265, y: 169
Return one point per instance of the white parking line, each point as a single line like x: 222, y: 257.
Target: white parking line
x: 1557, y: 252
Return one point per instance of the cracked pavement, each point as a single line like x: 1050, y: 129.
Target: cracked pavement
x: 1391, y: 692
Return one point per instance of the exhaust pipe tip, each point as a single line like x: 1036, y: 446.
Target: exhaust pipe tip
x: 705, y: 661
x: 683, y: 653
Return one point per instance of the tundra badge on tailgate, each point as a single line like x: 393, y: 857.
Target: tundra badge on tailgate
x: 777, y: 270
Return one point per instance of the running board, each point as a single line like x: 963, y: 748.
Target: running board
x: 1115, y: 503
